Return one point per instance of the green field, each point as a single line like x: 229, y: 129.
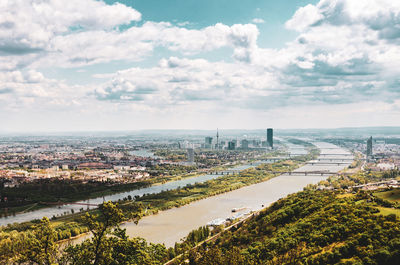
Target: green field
x: 386, y: 211
x: 390, y: 195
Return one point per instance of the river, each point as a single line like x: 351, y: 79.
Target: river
x: 60, y: 210
x: 172, y: 225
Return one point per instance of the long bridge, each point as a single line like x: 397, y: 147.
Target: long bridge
x: 290, y: 155
x: 327, y: 163
x: 302, y: 148
x: 274, y: 159
x: 305, y: 173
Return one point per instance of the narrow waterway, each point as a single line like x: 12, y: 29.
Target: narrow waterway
x: 172, y: 225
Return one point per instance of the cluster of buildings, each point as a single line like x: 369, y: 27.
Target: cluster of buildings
x: 231, y: 145
x: 84, y: 161
x: 14, y: 177
x: 235, y: 144
x: 111, y: 158
x: 382, y: 156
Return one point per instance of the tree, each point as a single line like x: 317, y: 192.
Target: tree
x: 98, y: 249
x: 41, y: 247
x: 109, y: 243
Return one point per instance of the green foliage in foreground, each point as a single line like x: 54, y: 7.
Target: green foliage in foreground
x: 310, y: 227
x: 108, y: 244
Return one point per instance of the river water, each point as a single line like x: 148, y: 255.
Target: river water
x: 170, y: 226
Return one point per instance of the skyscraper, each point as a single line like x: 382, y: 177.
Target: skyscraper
x: 217, y: 146
x: 231, y: 145
x: 190, y: 155
x: 369, y: 147
x: 208, y: 142
x: 270, y: 137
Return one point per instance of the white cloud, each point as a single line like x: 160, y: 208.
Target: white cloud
x: 346, y: 53
x: 183, y: 81
x: 304, y: 17
x: 342, y: 53
x: 20, y: 91
x: 85, y: 32
x: 29, y: 27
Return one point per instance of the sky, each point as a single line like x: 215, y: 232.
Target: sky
x: 87, y: 65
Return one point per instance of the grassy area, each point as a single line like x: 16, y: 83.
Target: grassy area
x: 390, y: 195
x: 386, y: 211
x: 345, y: 195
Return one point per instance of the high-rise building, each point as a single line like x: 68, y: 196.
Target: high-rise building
x: 190, y: 155
x: 235, y: 141
x: 217, y: 145
x: 270, y: 137
x: 245, y: 144
x: 208, y: 142
x: 256, y: 143
x: 231, y: 145
x: 369, y: 146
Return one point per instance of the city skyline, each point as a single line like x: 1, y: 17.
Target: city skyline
x: 135, y: 65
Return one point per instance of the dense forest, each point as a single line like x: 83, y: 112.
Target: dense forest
x: 310, y: 227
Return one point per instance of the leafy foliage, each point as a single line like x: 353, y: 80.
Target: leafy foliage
x: 310, y: 227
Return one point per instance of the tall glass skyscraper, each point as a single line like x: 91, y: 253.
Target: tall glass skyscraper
x: 270, y: 137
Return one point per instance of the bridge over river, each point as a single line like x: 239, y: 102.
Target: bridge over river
x: 310, y: 172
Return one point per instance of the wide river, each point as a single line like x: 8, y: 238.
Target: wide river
x: 60, y: 210
x: 172, y: 225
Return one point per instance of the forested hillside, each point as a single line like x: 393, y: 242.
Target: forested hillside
x: 310, y: 227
